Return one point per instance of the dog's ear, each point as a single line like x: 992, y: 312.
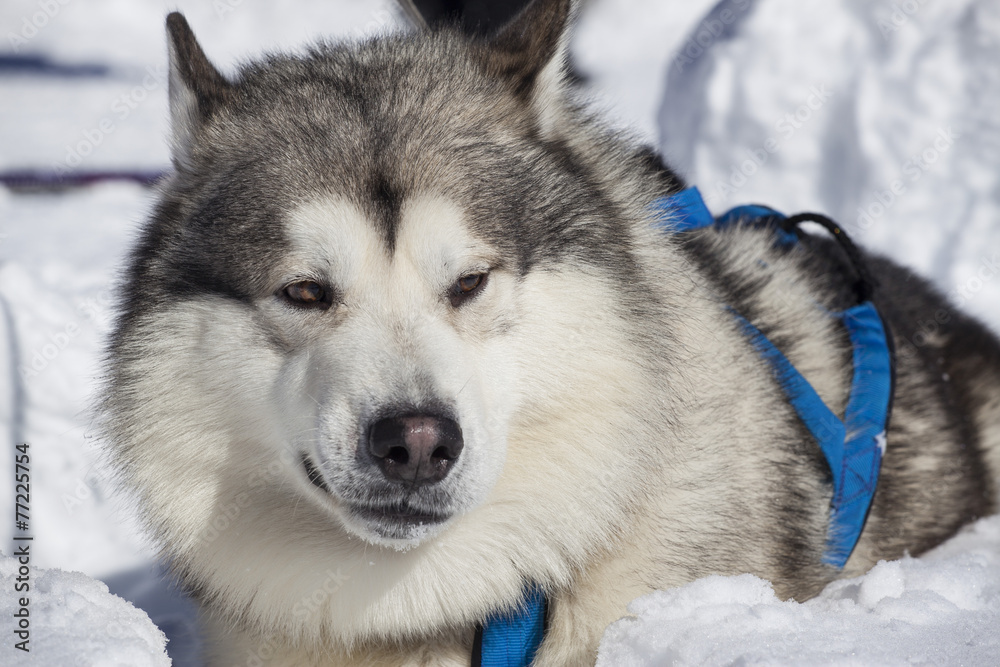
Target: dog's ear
x: 530, y: 51
x: 196, y: 88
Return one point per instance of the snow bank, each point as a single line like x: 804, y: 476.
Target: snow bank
x: 943, y: 608
x: 75, y: 621
x: 881, y: 114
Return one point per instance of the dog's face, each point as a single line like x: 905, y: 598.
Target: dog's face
x: 396, y: 384
x: 374, y: 231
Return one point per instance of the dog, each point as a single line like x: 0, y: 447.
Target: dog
x: 405, y: 334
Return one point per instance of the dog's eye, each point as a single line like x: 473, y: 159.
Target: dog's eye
x: 469, y: 283
x: 467, y: 286
x: 307, y: 293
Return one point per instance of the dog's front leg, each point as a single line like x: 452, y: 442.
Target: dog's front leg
x: 578, y: 617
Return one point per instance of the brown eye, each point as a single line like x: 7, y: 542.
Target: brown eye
x: 468, y: 283
x: 307, y: 293
x: 466, y: 287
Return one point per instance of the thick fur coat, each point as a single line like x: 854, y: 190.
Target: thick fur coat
x: 429, y: 227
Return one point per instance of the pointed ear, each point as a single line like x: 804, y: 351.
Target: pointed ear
x: 530, y: 51
x: 196, y: 88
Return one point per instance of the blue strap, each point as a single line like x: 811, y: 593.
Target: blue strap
x: 854, y: 447
x: 853, y: 451
x: 825, y: 426
x: 747, y: 212
x: 866, y: 416
x: 684, y: 211
x: 759, y: 216
x: 511, y: 639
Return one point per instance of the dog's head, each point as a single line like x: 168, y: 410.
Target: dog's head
x: 368, y: 209
x: 385, y: 290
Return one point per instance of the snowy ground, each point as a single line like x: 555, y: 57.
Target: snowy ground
x: 882, y: 114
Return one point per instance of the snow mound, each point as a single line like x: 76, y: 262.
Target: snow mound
x: 879, y: 113
x: 943, y: 608
x: 74, y: 620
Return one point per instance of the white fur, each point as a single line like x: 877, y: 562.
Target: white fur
x: 211, y: 453
x: 539, y: 498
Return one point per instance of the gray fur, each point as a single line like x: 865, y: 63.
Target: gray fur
x: 620, y: 433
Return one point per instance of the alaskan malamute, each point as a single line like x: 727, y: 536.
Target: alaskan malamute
x: 406, y: 336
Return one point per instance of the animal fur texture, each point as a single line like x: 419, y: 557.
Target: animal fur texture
x: 366, y: 247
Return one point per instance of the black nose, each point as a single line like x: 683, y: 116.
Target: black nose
x: 417, y: 449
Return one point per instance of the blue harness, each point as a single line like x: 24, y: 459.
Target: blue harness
x: 853, y: 447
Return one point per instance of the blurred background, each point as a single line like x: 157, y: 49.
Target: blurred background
x: 882, y: 114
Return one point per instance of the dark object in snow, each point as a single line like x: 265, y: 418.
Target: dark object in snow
x: 30, y: 179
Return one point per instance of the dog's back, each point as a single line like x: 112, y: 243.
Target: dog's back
x: 943, y: 452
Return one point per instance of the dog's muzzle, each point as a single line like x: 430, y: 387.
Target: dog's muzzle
x: 403, y: 459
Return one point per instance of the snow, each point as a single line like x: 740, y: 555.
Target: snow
x: 880, y: 114
x: 942, y: 608
x: 75, y: 622
x: 884, y: 106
